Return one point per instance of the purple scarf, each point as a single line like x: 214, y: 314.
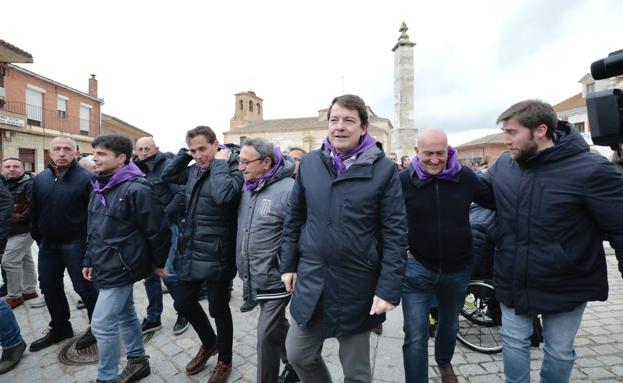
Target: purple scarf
x: 124, y: 174
x: 453, y: 167
x: 365, y: 143
x: 269, y: 175
x: 203, y: 170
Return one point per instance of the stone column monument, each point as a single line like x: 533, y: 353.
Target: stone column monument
x: 404, y: 133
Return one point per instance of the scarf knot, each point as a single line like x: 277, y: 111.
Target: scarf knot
x: 453, y: 167
x: 365, y: 142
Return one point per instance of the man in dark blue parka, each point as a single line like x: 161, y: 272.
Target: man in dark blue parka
x: 556, y: 202
x: 344, y: 246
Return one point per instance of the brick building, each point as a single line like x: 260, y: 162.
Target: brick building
x: 285, y: 133
x: 112, y: 124
x: 482, y: 151
x: 35, y: 109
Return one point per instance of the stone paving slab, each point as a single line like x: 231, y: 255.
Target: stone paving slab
x: 599, y: 346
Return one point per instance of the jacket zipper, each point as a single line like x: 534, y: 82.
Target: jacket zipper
x: 123, y: 261
x: 438, y: 225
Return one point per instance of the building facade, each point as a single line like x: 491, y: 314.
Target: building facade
x: 35, y: 109
x: 114, y: 125
x: 483, y: 151
x: 306, y: 133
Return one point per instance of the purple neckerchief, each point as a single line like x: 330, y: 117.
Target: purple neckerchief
x: 365, y: 142
x: 124, y: 174
x: 453, y: 167
x: 269, y: 175
x: 203, y: 170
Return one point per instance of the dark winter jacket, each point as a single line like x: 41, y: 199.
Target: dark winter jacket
x: 260, y: 228
x: 171, y: 195
x: 207, y: 243
x: 6, y: 210
x: 21, y: 191
x: 128, y: 236
x: 59, y: 204
x: 346, y: 238
x: 553, y: 212
x: 438, y: 214
x: 482, y: 221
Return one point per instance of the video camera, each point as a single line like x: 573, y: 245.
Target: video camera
x: 605, y: 108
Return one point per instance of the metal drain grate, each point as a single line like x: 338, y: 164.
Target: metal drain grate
x: 69, y: 356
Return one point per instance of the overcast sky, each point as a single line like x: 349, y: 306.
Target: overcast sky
x: 166, y: 67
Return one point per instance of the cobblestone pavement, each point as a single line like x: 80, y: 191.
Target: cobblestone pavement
x: 599, y: 346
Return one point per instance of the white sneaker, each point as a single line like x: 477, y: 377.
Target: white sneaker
x: 37, y: 302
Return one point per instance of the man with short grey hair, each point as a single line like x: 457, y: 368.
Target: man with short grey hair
x: 263, y: 204
x: 60, y: 197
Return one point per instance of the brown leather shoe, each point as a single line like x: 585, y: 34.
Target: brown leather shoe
x: 14, y: 302
x: 198, y: 363
x: 220, y: 373
x: 28, y: 296
x: 447, y: 374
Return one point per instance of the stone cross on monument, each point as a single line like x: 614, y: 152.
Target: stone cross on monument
x: 404, y: 133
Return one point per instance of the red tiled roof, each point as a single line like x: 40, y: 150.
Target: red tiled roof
x: 572, y: 102
x: 11, y: 53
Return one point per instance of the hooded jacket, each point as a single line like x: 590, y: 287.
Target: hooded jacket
x: 128, y: 233
x: 21, y: 191
x: 207, y: 242
x: 260, y: 228
x: 553, y: 213
x: 346, y: 238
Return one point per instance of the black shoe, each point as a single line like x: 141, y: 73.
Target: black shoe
x: 3, y: 291
x: 49, y: 338
x: 136, y: 369
x: 148, y: 326
x: 11, y: 356
x: 181, y: 325
x: 86, y: 340
x: 248, y: 306
x: 378, y: 330
x: 288, y: 375
x: 80, y: 305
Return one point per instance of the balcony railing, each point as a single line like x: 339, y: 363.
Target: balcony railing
x: 52, y: 119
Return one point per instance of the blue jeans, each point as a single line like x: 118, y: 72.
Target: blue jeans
x: 9, y: 329
x: 153, y: 288
x: 114, y: 316
x: 420, y: 288
x: 559, y: 332
x: 54, y: 258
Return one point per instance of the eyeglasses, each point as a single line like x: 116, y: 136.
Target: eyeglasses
x: 246, y: 163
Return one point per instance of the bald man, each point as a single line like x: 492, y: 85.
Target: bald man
x: 438, y: 192
x: 151, y: 161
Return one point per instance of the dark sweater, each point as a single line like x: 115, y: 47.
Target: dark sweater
x: 59, y: 204
x: 438, y: 214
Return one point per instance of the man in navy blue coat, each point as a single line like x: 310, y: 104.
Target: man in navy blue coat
x: 556, y: 202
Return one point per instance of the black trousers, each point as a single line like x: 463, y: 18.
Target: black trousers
x: 187, y: 304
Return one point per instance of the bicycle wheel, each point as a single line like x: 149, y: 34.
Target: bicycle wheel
x: 481, y: 319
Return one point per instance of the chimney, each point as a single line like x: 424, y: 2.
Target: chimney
x: 93, y: 86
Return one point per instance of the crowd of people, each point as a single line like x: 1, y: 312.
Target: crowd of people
x: 341, y: 235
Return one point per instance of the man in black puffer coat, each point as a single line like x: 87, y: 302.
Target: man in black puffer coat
x: 556, y: 202
x: 207, y: 248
